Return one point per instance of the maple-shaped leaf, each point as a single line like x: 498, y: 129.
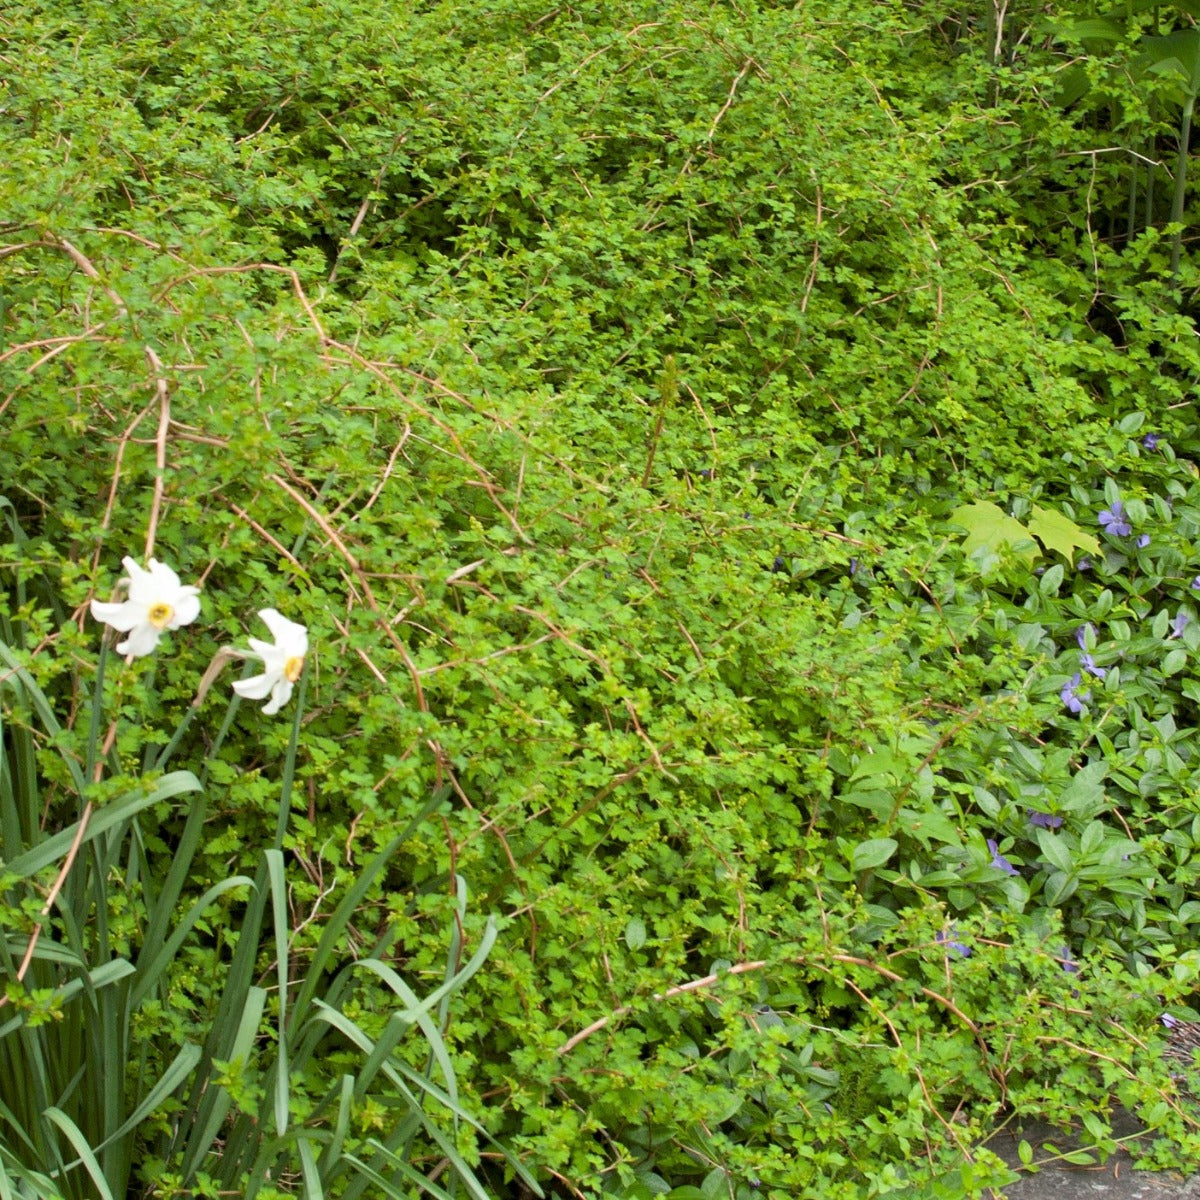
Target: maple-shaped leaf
x: 1060, y: 533
x: 990, y: 528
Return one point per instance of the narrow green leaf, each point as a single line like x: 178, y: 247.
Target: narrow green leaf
x: 279, y: 911
x: 308, y: 1168
x: 172, y: 1078
x: 103, y: 820
x: 1051, y: 581
x: 332, y: 1152
x: 330, y: 942
x: 79, y: 1144
x: 215, y: 1100
x: 45, y: 711
x: 153, y: 972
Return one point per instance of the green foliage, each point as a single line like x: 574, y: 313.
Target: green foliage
x: 109, y: 1081
x: 686, y: 436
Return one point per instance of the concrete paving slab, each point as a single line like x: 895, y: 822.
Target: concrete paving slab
x: 1115, y: 1179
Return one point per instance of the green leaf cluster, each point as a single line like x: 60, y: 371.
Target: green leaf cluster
x: 684, y: 435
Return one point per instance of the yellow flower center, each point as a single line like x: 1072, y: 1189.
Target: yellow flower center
x: 292, y: 669
x: 160, y: 615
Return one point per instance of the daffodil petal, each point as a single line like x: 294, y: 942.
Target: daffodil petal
x: 143, y: 587
x: 290, y: 636
x: 187, y: 607
x: 122, y: 617
x: 281, y: 693
x: 255, y: 688
x: 141, y: 641
x: 163, y: 575
x: 280, y: 659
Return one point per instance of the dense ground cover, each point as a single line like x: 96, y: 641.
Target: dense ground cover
x: 734, y: 463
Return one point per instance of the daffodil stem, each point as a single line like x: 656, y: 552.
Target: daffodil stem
x: 234, y: 701
x: 161, y: 761
x: 289, y: 766
x: 97, y: 707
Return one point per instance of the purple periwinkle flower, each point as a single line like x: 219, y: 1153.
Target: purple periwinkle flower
x: 1041, y: 820
x: 1195, y: 584
x: 949, y: 939
x: 1150, y: 441
x: 1114, y: 521
x: 1178, y: 625
x: 999, y: 861
x: 1085, y: 564
x: 1067, y: 962
x: 1071, y: 697
x: 1088, y: 663
x: 1143, y: 541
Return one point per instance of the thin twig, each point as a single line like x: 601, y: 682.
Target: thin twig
x: 58, y: 344
x: 381, y: 620
x: 160, y: 446
x: 678, y: 990
x: 275, y: 544
x: 122, y: 442
x: 87, y: 267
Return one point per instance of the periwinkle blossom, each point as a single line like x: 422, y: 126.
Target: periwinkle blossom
x: 999, y: 861
x: 1068, y: 964
x: 156, y: 602
x: 1150, y: 441
x: 1043, y: 820
x: 1086, y: 661
x: 1071, y: 697
x: 1085, y: 564
x: 949, y: 939
x: 1143, y: 541
x: 1114, y: 521
x: 282, y: 662
x: 1195, y: 584
x: 1178, y: 625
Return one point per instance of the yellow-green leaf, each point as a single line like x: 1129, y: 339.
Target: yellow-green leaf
x: 1060, y: 533
x: 989, y: 527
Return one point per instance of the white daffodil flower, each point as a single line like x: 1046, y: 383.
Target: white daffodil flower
x: 282, y: 662
x: 157, y: 602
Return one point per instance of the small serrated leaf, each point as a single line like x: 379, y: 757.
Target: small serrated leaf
x: 635, y: 934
